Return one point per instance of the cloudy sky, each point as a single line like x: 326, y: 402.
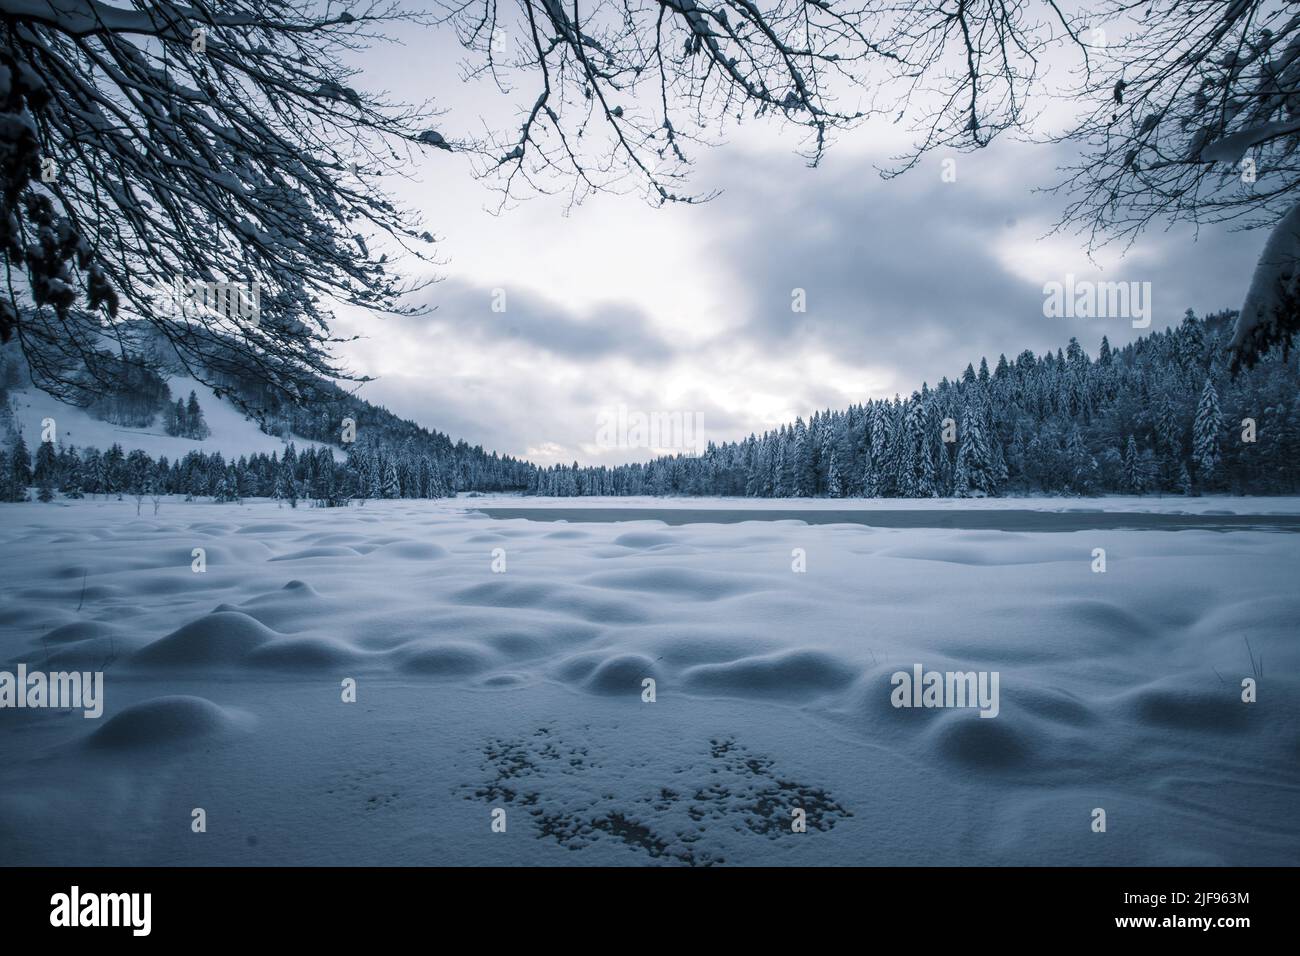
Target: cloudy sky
x: 688, y: 308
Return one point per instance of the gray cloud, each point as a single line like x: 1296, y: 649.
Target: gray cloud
x: 532, y: 319
x: 907, y: 271
x: 907, y: 280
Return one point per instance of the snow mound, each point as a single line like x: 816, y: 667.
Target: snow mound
x: 80, y: 631
x: 794, y: 675
x: 332, y: 551
x: 266, y: 527
x: 991, y: 745
x: 1181, y: 706
x: 700, y: 584
x: 300, y: 588
x: 705, y: 648
x: 589, y: 604
x: 411, y: 551
x: 621, y: 674
x: 644, y: 540
x: 166, y: 722
x: 303, y: 655
x: 220, y: 638
x: 443, y: 660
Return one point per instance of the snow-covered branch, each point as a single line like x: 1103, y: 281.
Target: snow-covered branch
x: 153, y: 142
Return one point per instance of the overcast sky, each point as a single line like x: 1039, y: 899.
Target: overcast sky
x: 688, y: 308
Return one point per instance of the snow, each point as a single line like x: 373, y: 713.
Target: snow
x: 522, y: 690
x: 233, y: 433
x: 1232, y: 147
x: 1272, y: 281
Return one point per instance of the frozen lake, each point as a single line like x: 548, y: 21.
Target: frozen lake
x: 501, y: 665
x: 989, y: 519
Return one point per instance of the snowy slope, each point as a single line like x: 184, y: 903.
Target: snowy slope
x: 233, y: 434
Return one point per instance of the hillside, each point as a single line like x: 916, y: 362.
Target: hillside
x: 232, y: 432
x: 126, y: 441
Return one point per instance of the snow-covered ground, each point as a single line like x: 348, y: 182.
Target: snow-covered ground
x: 522, y: 690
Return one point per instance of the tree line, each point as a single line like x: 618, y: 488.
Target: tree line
x: 1163, y: 415
x: 315, y: 475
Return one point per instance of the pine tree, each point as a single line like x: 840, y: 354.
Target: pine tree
x: 974, y: 474
x: 114, y: 471
x: 72, y: 476
x: 391, y: 488
x: 20, y: 465
x: 358, y: 470
x: 227, y: 489
x: 1082, y: 466
x: 285, y: 487
x: 47, y: 464
x: 1191, y: 342
x: 1206, y: 433
x: 882, y: 441
x: 1135, y: 478
x: 174, y: 420
x: 96, y: 477
x: 8, y: 490
x: 195, y: 425
x: 834, y: 483
x: 909, y: 441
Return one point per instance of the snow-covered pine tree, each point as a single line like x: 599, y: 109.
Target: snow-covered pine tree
x: 1190, y: 343
x: 1080, y: 463
x: 974, y: 473
x: 802, y: 465
x: 286, y: 488
x: 195, y: 425
x: 71, y: 475
x: 1135, y: 478
x: 928, y: 455
x: 20, y: 464
x: 47, y: 464
x: 882, y: 443
x: 834, y: 483
x: 8, y: 490
x: 909, y: 449
x: 1206, y: 432
x: 391, y: 487
x: 114, y: 471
